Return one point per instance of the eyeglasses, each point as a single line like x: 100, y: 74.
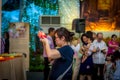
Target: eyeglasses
x: 56, y: 37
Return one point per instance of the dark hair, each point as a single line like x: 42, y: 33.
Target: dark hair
x: 116, y: 55
x: 99, y: 33
x: 89, y: 34
x: 91, y: 38
x: 108, y: 58
x: 82, y: 37
x: 114, y: 35
x: 50, y: 30
x: 64, y: 32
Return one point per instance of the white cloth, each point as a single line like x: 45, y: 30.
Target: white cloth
x: 76, y: 48
x: 90, y: 51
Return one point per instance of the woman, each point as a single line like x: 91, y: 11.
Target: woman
x: 84, y: 39
x: 113, y: 45
x: 63, y: 56
x: 75, y: 45
x: 86, y: 66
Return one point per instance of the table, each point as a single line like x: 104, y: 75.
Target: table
x: 13, y: 69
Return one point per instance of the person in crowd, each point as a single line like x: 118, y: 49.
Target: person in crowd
x: 108, y: 69
x: 2, y: 45
x: 75, y: 45
x: 89, y: 33
x: 116, y: 74
x: 94, y: 35
x: 99, y: 56
x: 51, y: 32
x: 62, y: 56
x: 87, y: 44
x: 113, y: 45
x: 86, y: 66
x: 7, y: 43
x: 84, y: 39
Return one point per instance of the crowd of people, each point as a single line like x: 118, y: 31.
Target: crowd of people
x: 87, y: 57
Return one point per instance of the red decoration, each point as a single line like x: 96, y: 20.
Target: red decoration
x: 41, y: 35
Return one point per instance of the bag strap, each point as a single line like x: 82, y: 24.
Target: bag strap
x: 62, y: 75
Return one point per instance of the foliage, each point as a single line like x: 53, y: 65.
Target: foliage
x: 30, y: 13
x: 36, y: 59
x: 36, y: 62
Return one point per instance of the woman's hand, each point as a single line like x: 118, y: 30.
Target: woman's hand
x: 42, y: 37
x: 44, y: 41
x: 117, y: 47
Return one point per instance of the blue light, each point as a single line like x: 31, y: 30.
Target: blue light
x: 11, y: 16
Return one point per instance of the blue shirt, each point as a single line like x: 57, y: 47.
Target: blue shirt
x: 61, y: 65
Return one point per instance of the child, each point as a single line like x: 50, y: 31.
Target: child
x: 108, y: 69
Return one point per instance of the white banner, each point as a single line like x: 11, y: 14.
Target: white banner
x: 19, y: 39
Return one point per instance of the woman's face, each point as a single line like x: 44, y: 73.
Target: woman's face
x: 75, y: 42
x: 85, y: 39
x: 58, y: 40
x: 114, y: 38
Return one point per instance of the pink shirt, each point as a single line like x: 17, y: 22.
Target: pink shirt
x: 50, y: 40
x: 112, y: 49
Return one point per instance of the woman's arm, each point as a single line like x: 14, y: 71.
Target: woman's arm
x: 82, y: 50
x: 51, y: 53
x: 111, y: 45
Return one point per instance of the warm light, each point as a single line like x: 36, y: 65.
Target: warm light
x: 100, y: 26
